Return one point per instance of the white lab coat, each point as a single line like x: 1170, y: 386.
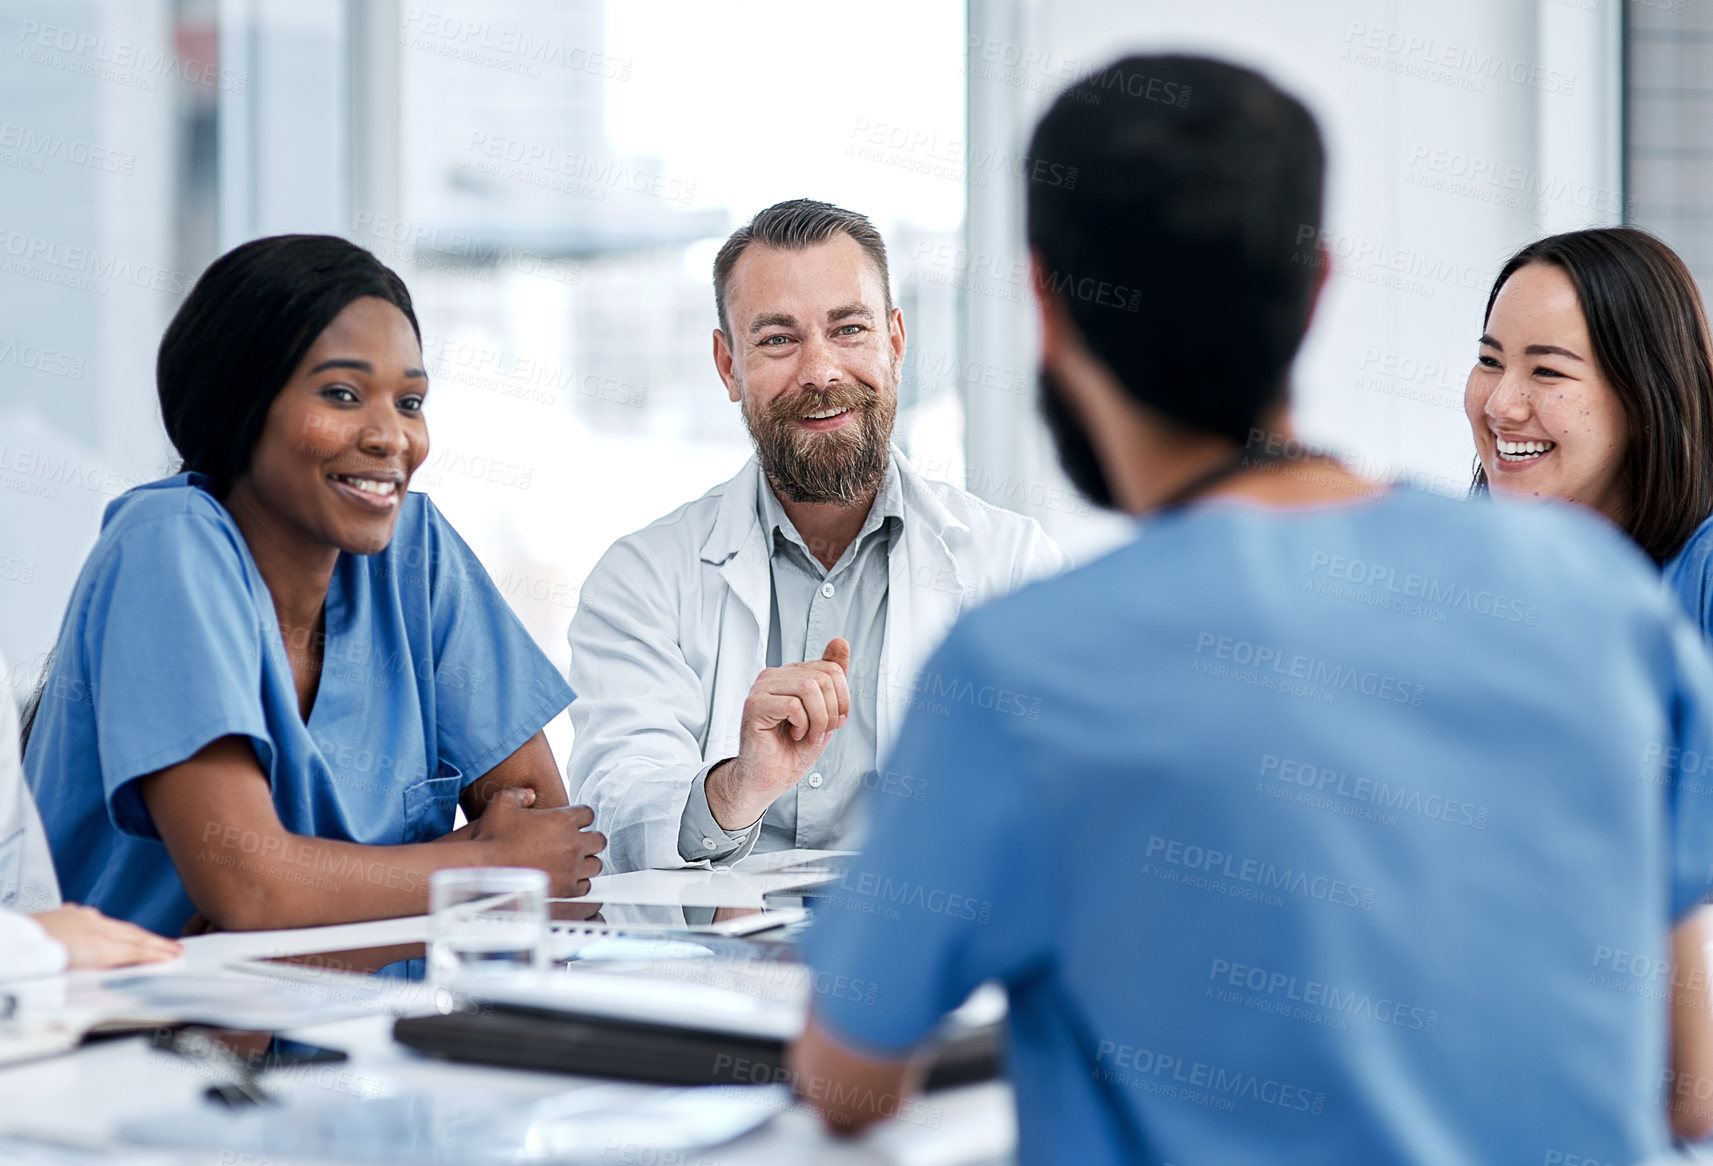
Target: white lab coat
x: 671, y: 632
x: 27, y: 882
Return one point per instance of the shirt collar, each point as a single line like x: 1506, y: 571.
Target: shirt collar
x: 888, y: 504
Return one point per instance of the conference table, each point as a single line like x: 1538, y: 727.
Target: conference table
x: 70, y: 1107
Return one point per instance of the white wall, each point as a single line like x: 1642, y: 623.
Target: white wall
x: 1457, y: 131
x: 87, y: 282
x: 283, y: 148
x: 1407, y: 122
x: 93, y: 165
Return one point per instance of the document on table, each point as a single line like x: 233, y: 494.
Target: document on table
x: 133, y: 998
x: 40, y: 1040
x: 460, y: 1126
x: 744, y: 884
x: 68, y: 1009
x: 773, y: 860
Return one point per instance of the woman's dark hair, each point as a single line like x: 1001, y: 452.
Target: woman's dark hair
x: 235, y: 342
x: 1175, y: 203
x: 244, y: 330
x: 1649, y: 333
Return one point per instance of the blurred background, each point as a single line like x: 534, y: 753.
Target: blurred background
x: 552, y: 179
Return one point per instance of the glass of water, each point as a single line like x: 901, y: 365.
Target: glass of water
x: 485, y: 920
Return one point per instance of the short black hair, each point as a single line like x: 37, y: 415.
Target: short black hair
x: 242, y: 332
x: 792, y: 226
x: 1186, y: 249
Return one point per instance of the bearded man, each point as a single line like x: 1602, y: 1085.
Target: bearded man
x: 743, y: 663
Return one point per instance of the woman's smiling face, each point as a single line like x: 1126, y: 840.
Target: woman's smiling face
x: 1547, y: 423
x: 345, y: 434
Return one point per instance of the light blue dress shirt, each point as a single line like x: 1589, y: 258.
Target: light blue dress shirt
x: 811, y: 604
x: 1353, y: 834
x: 171, y: 641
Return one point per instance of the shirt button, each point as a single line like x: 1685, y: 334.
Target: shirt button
x: 708, y: 843
x: 815, y: 780
x: 827, y: 590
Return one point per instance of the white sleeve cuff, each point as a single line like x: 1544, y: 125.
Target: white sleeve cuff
x: 26, y: 950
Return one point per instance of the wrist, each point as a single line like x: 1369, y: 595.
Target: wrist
x: 723, y: 787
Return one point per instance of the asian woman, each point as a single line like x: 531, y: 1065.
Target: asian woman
x: 1594, y: 385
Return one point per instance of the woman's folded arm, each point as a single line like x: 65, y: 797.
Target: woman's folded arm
x: 531, y: 767
x: 245, y: 871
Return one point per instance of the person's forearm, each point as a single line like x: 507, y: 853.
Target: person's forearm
x: 245, y: 871
x: 1691, y: 1028
x: 247, y: 882
x: 732, y: 808
x: 849, y: 1090
x: 701, y: 838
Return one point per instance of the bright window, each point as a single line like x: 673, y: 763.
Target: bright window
x: 568, y: 174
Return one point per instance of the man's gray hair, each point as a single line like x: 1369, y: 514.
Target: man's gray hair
x: 792, y: 226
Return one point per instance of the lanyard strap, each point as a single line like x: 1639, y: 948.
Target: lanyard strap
x: 1242, y: 460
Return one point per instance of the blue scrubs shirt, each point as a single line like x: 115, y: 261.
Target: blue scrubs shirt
x: 1689, y: 574
x: 170, y: 642
x: 1353, y: 834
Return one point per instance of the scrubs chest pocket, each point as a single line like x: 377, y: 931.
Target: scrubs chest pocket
x: 430, y: 803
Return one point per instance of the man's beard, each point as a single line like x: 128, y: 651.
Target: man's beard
x: 844, y: 466
x: 1070, y: 439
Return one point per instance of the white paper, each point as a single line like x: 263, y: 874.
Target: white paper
x: 741, y: 886
x: 459, y: 1127
x: 41, y: 1041
x: 761, y: 999
x: 224, y: 1001
x: 753, y: 863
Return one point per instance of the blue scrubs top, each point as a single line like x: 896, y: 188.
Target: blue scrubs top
x: 171, y: 642
x: 1353, y: 834
x: 1689, y: 573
